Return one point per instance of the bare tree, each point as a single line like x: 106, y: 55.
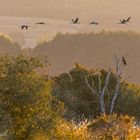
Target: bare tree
x: 102, y: 90
x: 101, y: 93
x: 118, y: 83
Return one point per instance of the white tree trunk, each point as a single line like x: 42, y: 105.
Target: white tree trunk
x: 118, y: 74
x: 101, y: 93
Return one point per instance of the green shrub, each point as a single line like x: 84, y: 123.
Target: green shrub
x: 79, y: 100
x: 128, y: 101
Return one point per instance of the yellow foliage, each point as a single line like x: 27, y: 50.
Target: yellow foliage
x: 70, y: 131
x: 113, y: 127
x: 108, y: 128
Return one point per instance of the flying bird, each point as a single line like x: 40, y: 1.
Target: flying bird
x: 128, y: 20
x: 124, y: 61
x: 75, y: 21
x: 93, y: 22
x: 24, y: 27
x: 124, y: 21
x: 41, y: 23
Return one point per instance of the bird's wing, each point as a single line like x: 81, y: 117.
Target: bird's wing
x: 128, y: 18
x: 76, y: 20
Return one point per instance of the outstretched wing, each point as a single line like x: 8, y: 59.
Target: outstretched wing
x: 128, y: 19
x: 76, y: 20
x: 94, y: 22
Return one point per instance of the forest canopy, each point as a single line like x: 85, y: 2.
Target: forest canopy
x: 34, y: 105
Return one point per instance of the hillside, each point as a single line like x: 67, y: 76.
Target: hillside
x: 92, y: 50
x: 29, y: 38
x: 8, y: 47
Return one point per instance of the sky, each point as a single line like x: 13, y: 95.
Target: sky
x: 64, y: 9
x: 58, y: 13
x: 106, y: 12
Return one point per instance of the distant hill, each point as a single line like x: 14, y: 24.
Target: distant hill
x: 7, y: 46
x: 92, y: 50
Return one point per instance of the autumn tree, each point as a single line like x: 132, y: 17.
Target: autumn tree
x: 26, y: 103
x: 82, y: 101
x: 71, y: 88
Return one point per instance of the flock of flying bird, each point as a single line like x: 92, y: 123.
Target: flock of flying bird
x: 27, y: 26
x: 76, y: 21
x: 122, y: 21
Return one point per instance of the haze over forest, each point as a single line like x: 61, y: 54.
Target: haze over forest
x: 106, y: 12
x: 69, y: 69
x: 58, y: 14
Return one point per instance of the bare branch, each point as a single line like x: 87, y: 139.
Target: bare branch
x: 91, y: 88
x: 106, y: 83
x: 92, y: 101
x: 99, y: 81
x: 114, y: 97
x: 118, y: 74
x: 102, y: 103
x: 126, y: 78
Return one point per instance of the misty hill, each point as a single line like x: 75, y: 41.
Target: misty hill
x: 11, y: 26
x: 29, y: 38
x: 7, y: 46
x: 92, y: 50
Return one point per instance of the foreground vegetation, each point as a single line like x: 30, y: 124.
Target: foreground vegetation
x: 35, y: 106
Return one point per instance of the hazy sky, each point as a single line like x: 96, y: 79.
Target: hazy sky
x: 64, y: 9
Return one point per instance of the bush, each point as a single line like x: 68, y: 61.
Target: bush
x: 70, y: 131
x: 26, y: 103
x: 113, y: 127
x: 105, y: 127
x: 128, y: 101
x: 79, y: 101
x: 65, y: 130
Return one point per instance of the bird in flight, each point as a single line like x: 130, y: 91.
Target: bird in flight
x: 75, y: 21
x: 41, y: 23
x: 124, y: 21
x: 24, y: 27
x: 94, y: 22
